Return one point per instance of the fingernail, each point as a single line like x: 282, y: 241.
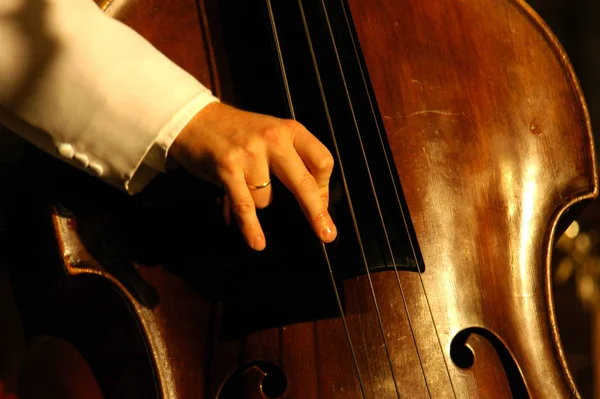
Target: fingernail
x: 328, y: 232
x: 258, y: 243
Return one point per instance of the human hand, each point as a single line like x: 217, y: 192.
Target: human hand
x: 239, y: 150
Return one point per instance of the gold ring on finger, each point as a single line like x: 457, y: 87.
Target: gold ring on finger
x: 258, y: 187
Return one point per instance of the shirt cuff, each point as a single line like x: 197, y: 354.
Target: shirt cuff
x: 155, y: 158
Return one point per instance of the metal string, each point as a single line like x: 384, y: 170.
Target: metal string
x: 389, y: 246
x: 350, y: 202
x: 357, y: 232
x: 324, y: 249
x: 412, y: 246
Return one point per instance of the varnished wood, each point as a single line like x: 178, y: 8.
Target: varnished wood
x: 492, y: 78
x: 491, y: 141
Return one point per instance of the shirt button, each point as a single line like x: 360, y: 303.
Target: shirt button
x: 96, y: 169
x: 66, y: 150
x: 82, y: 159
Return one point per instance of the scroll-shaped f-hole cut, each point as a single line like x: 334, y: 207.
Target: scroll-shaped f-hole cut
x: 461, y: 353
x: 473, y: 346
x: 257, y: 380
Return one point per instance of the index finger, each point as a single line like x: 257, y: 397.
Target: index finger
x: 315, y: 156
x: 293, y: 173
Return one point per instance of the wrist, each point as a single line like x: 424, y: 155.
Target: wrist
x: 185, y: 140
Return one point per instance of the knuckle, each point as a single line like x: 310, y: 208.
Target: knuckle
x: 325, y: 198
x: 253, y: 148
x: 243, y: 207
x: 307, y: 182
x: 272, y: 136
x: 320, y: 216
x: 292, y: 124
x: 283, y: 130
x: 325, y: 162
x: 229, y: 159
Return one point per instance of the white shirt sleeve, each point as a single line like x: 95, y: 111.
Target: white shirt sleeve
x: 91, y: 91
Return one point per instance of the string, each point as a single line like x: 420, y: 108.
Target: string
x: 378, y: 205
x: 388, y: 163
x: 352, y: 213
x: 324, y: 249
x: 402, y: 295
x: 350, y: 202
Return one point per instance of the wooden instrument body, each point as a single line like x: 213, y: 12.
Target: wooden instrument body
x: 491, y: 142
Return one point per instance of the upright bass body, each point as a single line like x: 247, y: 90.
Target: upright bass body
x: 479, y: 117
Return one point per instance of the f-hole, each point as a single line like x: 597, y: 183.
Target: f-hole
x: 257, y: 379
x: 464, y: 355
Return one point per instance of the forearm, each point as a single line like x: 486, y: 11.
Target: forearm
x: 91, y: 91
